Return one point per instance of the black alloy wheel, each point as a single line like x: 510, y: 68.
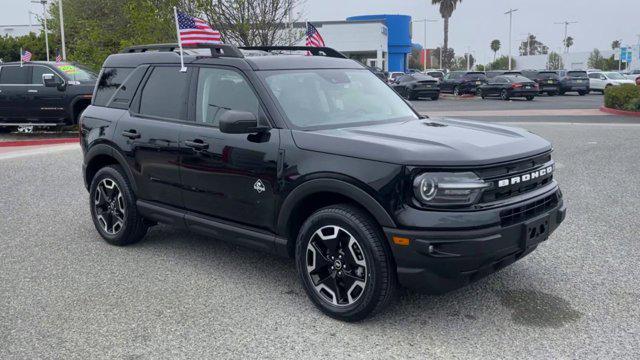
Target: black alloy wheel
x: 504, y: 94
x: 456, y: 91
x: 109, y: 206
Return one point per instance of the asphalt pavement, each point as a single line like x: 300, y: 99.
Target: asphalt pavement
x: 66, y: 294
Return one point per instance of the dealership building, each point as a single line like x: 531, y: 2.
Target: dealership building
x: 382, y: 40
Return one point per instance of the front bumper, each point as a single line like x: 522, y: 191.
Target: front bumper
x: 438, y: 261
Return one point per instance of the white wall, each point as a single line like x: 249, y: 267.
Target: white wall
x: 18, y: 30
x: 572, y: 61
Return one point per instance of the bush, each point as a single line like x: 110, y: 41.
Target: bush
x: 619, y: 97
x: 633, y: 105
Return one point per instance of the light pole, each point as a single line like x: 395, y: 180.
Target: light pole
x: 44, y: 16
x: 566, y: 24
x: 424, y: 45
x: 510, y: 13
x: 64, y: 49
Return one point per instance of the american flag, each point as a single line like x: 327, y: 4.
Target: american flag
x: 26, y: 56
x: 313, y: 36
x: 58, y: 57
x: 195, y: 31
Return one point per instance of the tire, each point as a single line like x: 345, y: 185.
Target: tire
x: 456, y: 91
x: 112, y: 201
x: 552, y: 93
x: 435, y: 97
x: 375, y: 266
x: 480, y: 94
x: 582, y: 93
x: 504, y: 94
x: 530, y: 98
x: 411, y: 95
x: 561, y: 92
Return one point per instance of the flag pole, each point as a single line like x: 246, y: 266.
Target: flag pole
x: 20, y: 56
x: 175, y: 15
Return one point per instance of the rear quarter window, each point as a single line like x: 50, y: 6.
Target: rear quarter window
x: 14, y: 75
x: 110, y: 80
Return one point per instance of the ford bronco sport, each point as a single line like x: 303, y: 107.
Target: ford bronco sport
x: 315, y: 158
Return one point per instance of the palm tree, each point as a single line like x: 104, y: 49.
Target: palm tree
x: 446, y: 9
x: 615, y: 44
x: 495, y: 46
x: 568, y: 42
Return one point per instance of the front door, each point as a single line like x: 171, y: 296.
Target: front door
x: 14, y: 81
x: 228, y: 176
x: 148, y: 134
x: 44, y: 103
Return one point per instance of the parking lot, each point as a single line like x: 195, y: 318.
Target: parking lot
x: 65, y: 293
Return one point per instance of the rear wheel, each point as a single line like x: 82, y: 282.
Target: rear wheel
x: 481, y: 94
x: 456, y: 91
x: 435, y: 97
x: 504, y: 94
x: 411, y: 95
x: 344, y: 263
x: 552, y: 93
x: 582, y: 93
x: 113, y: 207
x: 530, y: 97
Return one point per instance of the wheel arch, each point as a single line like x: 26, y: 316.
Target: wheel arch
x: 74, y: 107
x: 101, y: 155
x: 318, y: 193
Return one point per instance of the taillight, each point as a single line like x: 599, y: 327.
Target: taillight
x: 516, y: 86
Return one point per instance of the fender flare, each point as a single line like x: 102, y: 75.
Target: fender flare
x: 336, y: 186
x: 72, y: 105
x: 105, y: 149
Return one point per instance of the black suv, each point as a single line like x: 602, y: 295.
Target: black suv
x: 574, y: 80
x: 547, y: 80
x: 416, y: 85
x: 44, y: 92
x: 315, y: 158
x: 462, y: 82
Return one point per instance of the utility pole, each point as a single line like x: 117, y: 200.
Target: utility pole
x: 510, y: 13
x: 566, y: 24
x: 44, y: 16
x: 64, y: 49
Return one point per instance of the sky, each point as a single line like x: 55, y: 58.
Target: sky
x: 474, y: 23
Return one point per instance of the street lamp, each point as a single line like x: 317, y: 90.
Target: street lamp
x: 424, y: 45
x: 566, y: 24
x: 510, y: 13
x: 44, y: 16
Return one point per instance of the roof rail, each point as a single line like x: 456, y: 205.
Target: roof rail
x: 217, y: 50
x: 315, y: 51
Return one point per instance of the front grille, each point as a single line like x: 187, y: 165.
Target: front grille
x: 528, y: 211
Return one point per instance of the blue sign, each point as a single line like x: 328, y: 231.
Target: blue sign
x: 626, y: 54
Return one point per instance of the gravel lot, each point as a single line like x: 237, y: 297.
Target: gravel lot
x: 64, y: 293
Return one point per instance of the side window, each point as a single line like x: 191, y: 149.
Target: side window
x: 109, y: 82
x: 165, y: 94
x: 220, y: 90
x: 594, y: 76
x: 38, y: 71
x: 14, y: 75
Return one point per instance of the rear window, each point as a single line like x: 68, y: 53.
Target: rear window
x: 14, y: 75
x: 165, y: 94
x: 475, y: 76
x: 577, y: 74
x: 110, y: 81
x: 436, y: 74
x: 547, y: 75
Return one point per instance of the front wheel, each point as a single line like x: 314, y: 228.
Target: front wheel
x: 435, y: 97
x: 344, y: 263
x: 481, y: 94
x: 530, y: 98
x: 456, y: 91
x: 582, y: 93
x: 113, y: 208
x: 504, y: 94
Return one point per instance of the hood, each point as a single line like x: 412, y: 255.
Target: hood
x: 623, y: 81
x: 427, y: 142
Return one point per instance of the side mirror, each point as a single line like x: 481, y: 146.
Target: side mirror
x: 49, y: 80
x: 603, y: 78
x: 239, y: 122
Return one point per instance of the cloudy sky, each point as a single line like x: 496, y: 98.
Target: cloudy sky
x: 474, y: 24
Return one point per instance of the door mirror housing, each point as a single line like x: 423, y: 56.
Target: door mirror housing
x: 240, y: 122
x: 50, y: 80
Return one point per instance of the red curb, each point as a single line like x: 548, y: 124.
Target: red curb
x: 619, y: 112
x: 39, y: 142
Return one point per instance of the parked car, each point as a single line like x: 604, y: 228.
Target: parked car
x: 311, y: 157
x: 632, y: 74
x: 383, y: 75
x: 547, y: 80
x: 462, y: 82
x: 574, y: 80
x: 417, y: 85
x: 438, y: 74
x: 599, y: 81
x: 41, y: 92
x: 394, y: 75
x: 509, y: 86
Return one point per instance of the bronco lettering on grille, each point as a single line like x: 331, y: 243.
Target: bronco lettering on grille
x: 525, y: 177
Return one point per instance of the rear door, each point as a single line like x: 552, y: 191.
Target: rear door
x: 228, y: 176
x: 14, y: 81
x: 595, y: 81
x: 46, y: 103
x: 148, y: 134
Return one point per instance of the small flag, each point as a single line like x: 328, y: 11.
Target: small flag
x: 194, y: 31
x: 26, y: 56
x: 58, y: 57
x: 313, y: 36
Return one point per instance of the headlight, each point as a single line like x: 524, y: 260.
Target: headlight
x: 447, y: 189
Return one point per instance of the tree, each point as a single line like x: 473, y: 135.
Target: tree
x: 460, y: 62
x: 568, y: 42
x: 414, y: 58
x: 446, y: 9
x: 502, y: 63
x: 447, y: 56
x: 495, y: 46
x: 615, y: 44
x: 554, y: 61
x: 596, y: 60
x: 10, y: 47
x: 531, y: 46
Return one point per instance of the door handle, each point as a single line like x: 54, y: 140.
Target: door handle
x: 32, y: 91
x: 131, y: 134
x: 197, y: 144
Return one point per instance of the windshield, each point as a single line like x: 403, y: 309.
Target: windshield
x: 325, y: 98
x: 577, y: 74
x: 77, y: 73
x: 615, y: 76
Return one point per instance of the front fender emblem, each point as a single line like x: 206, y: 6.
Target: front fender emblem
x: 259, y: 186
